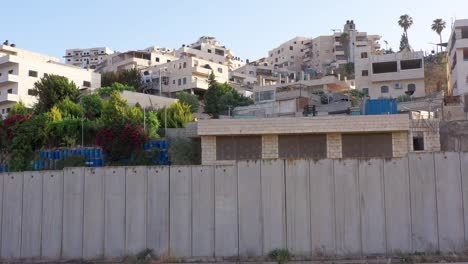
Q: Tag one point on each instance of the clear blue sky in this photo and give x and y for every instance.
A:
(248, 27)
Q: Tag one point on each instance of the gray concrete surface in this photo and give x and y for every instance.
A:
(32, 210)
(114, 195)
(72, 236)
(135, 209)
(94, 213)
(52, 208)
(11, 215)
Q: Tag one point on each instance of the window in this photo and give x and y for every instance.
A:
(209, 51)
(276, 59)
(157, 59)
(173, 81)
(238, 148)
(418, 141)
(3, 111)
(365, 73)
(10, 91)
(302, 146)
(365, 91)
(10, 72)
(168, 60)
(411, 64)
(185, 65)
(384, 89)
(33, 73)
(69, 54)
(465, 54)
(32, 92)
(411, 87)
(363, 55)
(184, 81)
(8, 110)
(86, 84)
(292, 57)
(384, 67)
(290, 47)
(179, 82)
(220, 70)
(367, 145)
(68, 60)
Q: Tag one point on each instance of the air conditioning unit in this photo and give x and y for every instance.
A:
(398, 86)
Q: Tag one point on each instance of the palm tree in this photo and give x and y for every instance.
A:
(438, 25)
(405, 22)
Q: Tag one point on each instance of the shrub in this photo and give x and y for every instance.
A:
(189, 99)
(280, 255)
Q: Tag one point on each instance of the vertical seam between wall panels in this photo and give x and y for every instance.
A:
(462, 196)
(42, 213)
(285, 207)
(214, 210)
(1, 224)
(21, 215)
(103, 191)
(262, 242)
(146, 169)
(382, 169)
(436, 201)
(125, 211)
(63, 215)
(359, 205)
(238, 213)
(83, 210)
(334, 205)
(410, 201)
(309, 182)
(169, 253)
(191, 210)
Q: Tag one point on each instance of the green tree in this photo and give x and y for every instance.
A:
(152, 124)
(189, 99)
(405, 22)
(404, 42)
(344, 40)
(131, 77)
(19, 109)
(106, 91)
(69, 109)
(114, 110)
(92, 105)
(438, 25)
(221, 97)
(51, 89)
(177, 114)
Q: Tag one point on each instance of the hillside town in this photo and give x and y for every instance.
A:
(333, 96)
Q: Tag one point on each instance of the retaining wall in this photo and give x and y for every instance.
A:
(418, 203)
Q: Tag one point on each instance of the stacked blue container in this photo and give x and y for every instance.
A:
(93, 156)
(163, 146)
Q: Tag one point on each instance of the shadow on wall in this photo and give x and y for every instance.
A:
(454, 136)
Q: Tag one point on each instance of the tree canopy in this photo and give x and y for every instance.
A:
(188, 99)
(131, 77)
(52, 89)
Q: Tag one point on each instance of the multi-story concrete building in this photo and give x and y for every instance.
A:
(289, 55)
(136, 59)
(185, 74)
(87, 58)
(389, 75)
(208, 48)
(260, 73)
(20, 69)
(457, 59)
(325, 53)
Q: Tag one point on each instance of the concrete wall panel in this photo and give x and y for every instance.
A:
(273, 205)
(464, 173)
(157, 235)
(322, 207)
(226, 228)
(72, 238)
(250, 211)
(203, 211)
(135, 209)
(423, 202)
(52, 206)
(298, 207)
(94, 213)
(11, 215)
(32, 213)
(348, 228)
(449, 202)
(114, 195)
(180, 244)
(371, 187)
(397, 205)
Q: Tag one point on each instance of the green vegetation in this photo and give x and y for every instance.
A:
(280, 255)
(177, 115)
(185, 151)
(189, 99)
(52, 89)
(130, 77)
(221, 97)
(107, 90)
(405, 22)
(438, 25)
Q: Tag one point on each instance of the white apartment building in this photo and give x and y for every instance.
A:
(87, 58)
(260, 73)
(185, 74)
(389, 75)
(136, 59)
(457, 59)
(208, 48)
(20, 69)
(325, 53)
(289, 55)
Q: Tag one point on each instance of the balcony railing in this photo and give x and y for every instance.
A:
(9, 98)
(8, 79)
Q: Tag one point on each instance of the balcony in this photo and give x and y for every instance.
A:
(8, 60)
(9, 98)
(339, 52)
(361, 43)
(398, 76)
(197, 70)
(8, 79)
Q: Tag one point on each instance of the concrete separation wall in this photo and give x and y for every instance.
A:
(347, 207)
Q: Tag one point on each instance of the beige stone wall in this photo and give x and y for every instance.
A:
(429, 128)
(208, 148)
(270, 147)
(301, 125)
(334, 146)
(400, 144)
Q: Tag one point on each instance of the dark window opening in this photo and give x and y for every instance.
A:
(411, 87)
(86, 84)
(238, 147)
(465, 54)
(365, 91)
(32, 92)
(157, 59)
(367, 145)
(302, 146)
(209, 51)
(464, 31)
(10, 91)
(384, 67)
(33, 73)
(418, 143)
(290, 47)
(365, 73)
(384, 89)
(411, 64)
(363, 55)
(219, 52)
